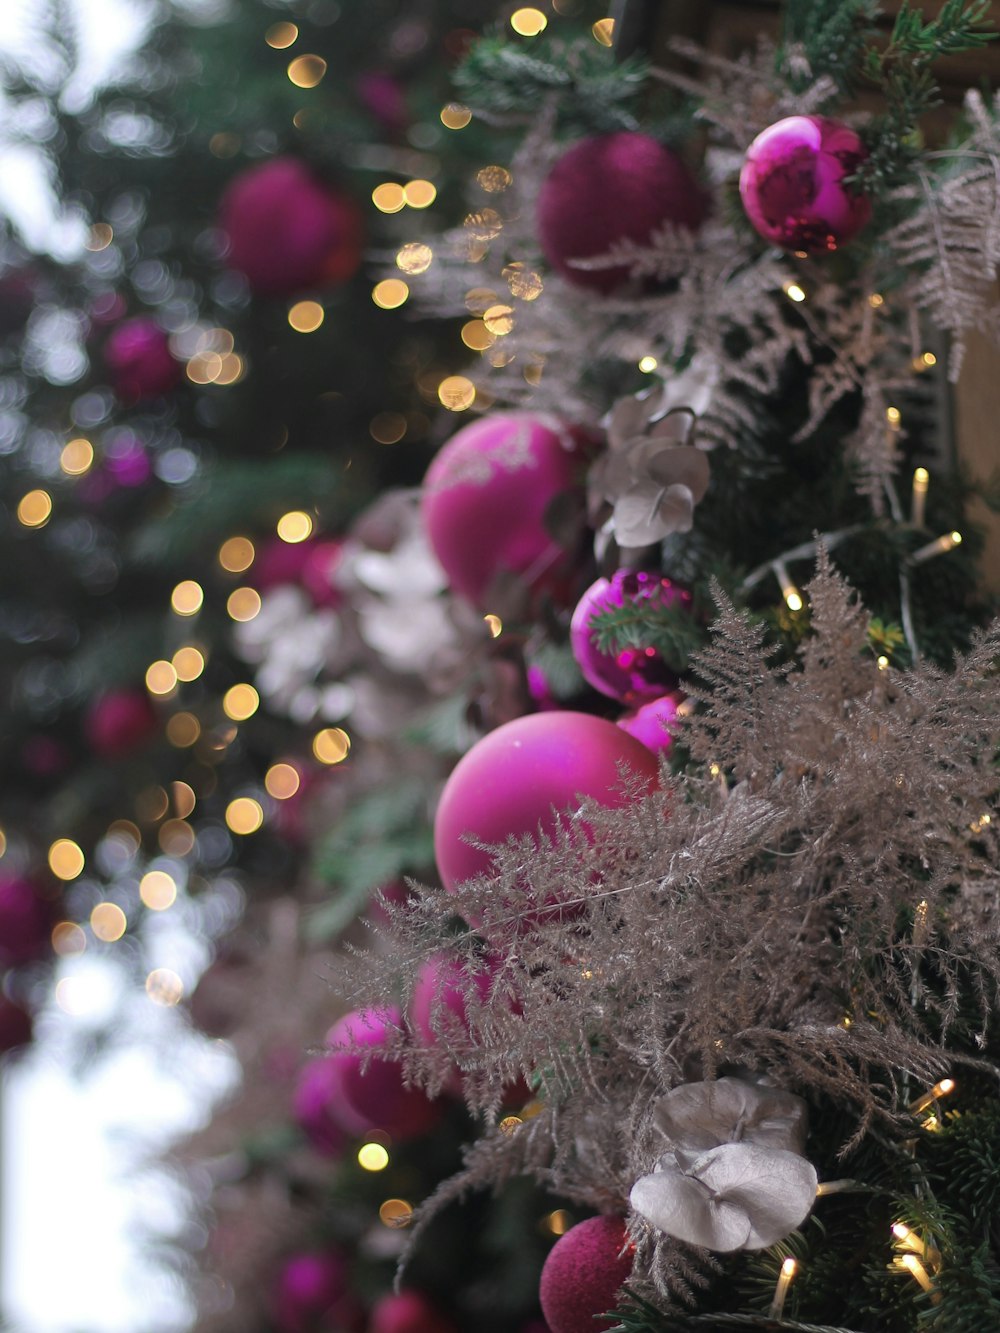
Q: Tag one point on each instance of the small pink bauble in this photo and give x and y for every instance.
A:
(139, 361)
(15, 1025)
(632, 675)
(314, 1102)
(583, 1273)
(614, 187)
(650, 723)
(118, 723)
(792, 184)
(25, 922)
(408, 1311)
(377, 1096)
(485, 498)
(311, 1290)
(288, 230)
(310, 565)
(525, 775)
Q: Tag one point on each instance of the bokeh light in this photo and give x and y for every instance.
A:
(282, 781)
(307, 71)
(161, 678)
(295, 526)
(35, 509)
(244, 815)
(77, 457)
(390, 293)
(243, 604)
(66, 860)
(165, 987)
(108, 922)
(158, 890)
(240, 702)
(332, 745)
(187, 598)
(306, 316)
(236, 554)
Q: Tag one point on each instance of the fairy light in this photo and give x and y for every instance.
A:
(243, 604)
(794, 292)
(332, 745)
(414, 257)
(510, 1124)
(493, 179)
(68, 940)
(108, 922)
(187, 598)
(158, 890)
(928, 1099)
(882, 662)
(240, 702)
(373, 1157)
(280, 36)
(294, 527)
(921, 480)
(77, 457)
(164, 986)
(494, 624)
(791, 594)
(419, 193)
(918, 1272)
(390, 293)
(940, 546)
(981, 823)
(395, 1213)
(876, 300)
(788, 1270)
(35, 509)
(557, 1223)
(389, 197)
(183, 729)
(457, 393)
(477, 336)
(282, 781)
(244, 815)
(528, 22)
(100, 237)
(161, 678)
(455, 116)
(307, 71)
(236, 554)
(188, 662)
(648, 364)
(66, 860)
(603, 31)
(306, 316)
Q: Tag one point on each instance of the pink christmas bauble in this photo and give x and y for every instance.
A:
(310, 564)
(650, 722)
(376, 1096)
(485, 498)
(314, 1104)
(615, 187)
(583, 1273)
(792, 184)
(25, 922)
(288, 230)
(632, 675)
(118, 723)
(139, 361)
(408, 1311)
(313, 1291)
(439, 1000)
(524, 776)
(15, 1025)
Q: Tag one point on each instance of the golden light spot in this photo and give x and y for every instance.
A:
(389, 197)
(77, 457)
(295, 526)
(793, 600)
(493, 179)
(3, 843)
(243, 604)
(161, 677)
(100, 237)
(176, 837)
(183, 729)
(68, 939)
(108, 922)
(499, 356)
(420, 193)
(648, 364)
(415, 257)
(499, 319)
(164, 987)
(240, 702)
(231, 370)
(390, 293)
(882, 662)
(127, 832)
(281, 35)
(875, 300)
(456, 393)
(476, 335)
(528, 22)
(373, 1157)
(557, 1223)
(224, 145)
(35, 509)
(158, 890)
(396, 1213)
(187, 598)
(479, 299)
(455, 116)
(387, 427)
(307, 71)
(485, 224)
(306, 316)
(152, 804)
(282, 781)
(188, 662)
(236, 554)
(793, 291)
(494, 624)
(244, 815)
(184, 799)
(332, 745)
(66, 860)
(893, 416)
(523, 282)
(510, 1124)
(956, 538)
(604, 31)
(929, 359)
(204, 368)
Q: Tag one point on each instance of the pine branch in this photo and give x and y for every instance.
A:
(833, 37)
(641, 1317)
(668, 629)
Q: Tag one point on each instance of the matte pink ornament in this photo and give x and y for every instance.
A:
(614, 187)
(632, 675)
(15, 1025)
(439, 992)
(376, 1097)
(315, 1101)
(408, 1311)
(792, 184)
(485, 498)
(650, 723)
(139, 361)
(313, 1292)
(524, 776)
(583, 1273)
(25, 922)
(310, 564)
(120, 722)
(288, 230)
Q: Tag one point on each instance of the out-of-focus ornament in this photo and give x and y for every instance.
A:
(139, 360)
(792, 184)
(25, 921)
(438, 1008)
(583, 1273)
(15, 1025)
(313, 1291)
(612, 188)
(408, 1311)
(633, 675)
(384, 99)
(316, 1096)
(486, 497)
(312, 565)
(288, 230)
(376, 1094)
(650, 723)
(119, 722)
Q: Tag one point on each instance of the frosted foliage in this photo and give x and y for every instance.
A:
(797, 905)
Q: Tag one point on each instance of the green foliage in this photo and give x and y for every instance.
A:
(834, 35)
(671, 630)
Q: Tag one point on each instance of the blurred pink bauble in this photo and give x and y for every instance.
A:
(313, 1292)
(25, 922)
(408, 1311)
(649, 723)
(611, 188)
(485, 499)
(438, 1002)
(376, 1096)
(15, 1025)
(383, 98)
(288, 230)
(137, 356)
(526, 774)
(792, 184)
(310, 565)
(317, 1094)
(119, 722)
(632, 675)
(583, 1273)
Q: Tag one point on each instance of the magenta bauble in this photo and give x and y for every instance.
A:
(120, 722)
(792, 184)
(437, 1009)
(525, 775)
(287, 230)
(310, 565)
(615, 187)
(376, 1096)
(650, 723)
(313, 1292)
(315, 1101)
(485, 499)
(583, 1273)
(138, 358)
(15, 1025)
(25, 922)
(633, 675)
(408, 1311)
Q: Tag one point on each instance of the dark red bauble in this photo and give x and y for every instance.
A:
(408, 1311)
(139, 361)
(15, 1025)
(25, 922)
(120, 722)
(375, 1097)
(288, 230)
(583, 1273)
(615, 187)
(792, 184)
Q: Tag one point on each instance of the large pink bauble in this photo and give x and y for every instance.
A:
(119, 722)
(525, 775)
(408, 1311)
(139, 361)
(287, 230)
(377, 1097)
(25, 922)
(583, 1273)
(312, 1292)
(649, 723)
(615, 187)
(485, 498)
(792, 184)
(632, 675)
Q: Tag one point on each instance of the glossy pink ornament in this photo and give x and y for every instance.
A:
(408, 1311)
(138, 358)
(792, 184)
(485, 498)
(288, 230)
(119, 722)
(313, 1292)
(25, 922)
(15, 1025)
(525, 775)
(614, 187)
(650, 722)
(583, 1274)
(376, 1097)
(632, 675)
